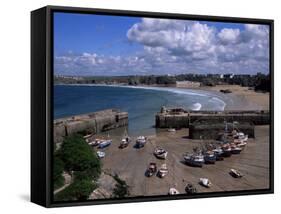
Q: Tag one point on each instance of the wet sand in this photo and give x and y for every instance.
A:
(131, 163)
(242, 97)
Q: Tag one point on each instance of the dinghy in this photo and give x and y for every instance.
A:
(205, 182)
(173, 191)
(163, 171)
(160, 153)
(235, 173)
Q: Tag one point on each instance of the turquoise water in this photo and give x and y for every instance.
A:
(141, 103)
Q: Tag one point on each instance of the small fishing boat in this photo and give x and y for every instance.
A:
(240, 136)
(100, 154)
(218, 153)
(104, 144)
(124, 143)
(151, 170)
(173, 191)
(160, 153)
(190, 189)
(210, 157)
(171, 130)
(235, 149)
(126, 140)
(241, 144)
(141, 141)
(205, 182)
(235, 173)
(226, 150)
(194, 160)
(163, 171)
(95, 142)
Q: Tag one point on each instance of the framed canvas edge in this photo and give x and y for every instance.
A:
(49, 101)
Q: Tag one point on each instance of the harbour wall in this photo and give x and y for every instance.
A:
(180, 118)
(90, 123)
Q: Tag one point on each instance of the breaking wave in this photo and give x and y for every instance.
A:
(196, 107)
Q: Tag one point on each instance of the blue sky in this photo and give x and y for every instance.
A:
(86, 44)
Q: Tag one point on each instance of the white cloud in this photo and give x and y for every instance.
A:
(177, 46)
(227, 36)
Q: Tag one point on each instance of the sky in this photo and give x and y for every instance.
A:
(102, 45)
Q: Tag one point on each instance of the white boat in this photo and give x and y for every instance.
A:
(141, 141)
(160, 153)
(173, 191)
(235, 173)
(241, 144)
(163, 171)
(95, 142)
(240, 136)
(101, 154)
(171, 130)
(205, 182)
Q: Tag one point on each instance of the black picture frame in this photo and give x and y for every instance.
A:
(42, 103)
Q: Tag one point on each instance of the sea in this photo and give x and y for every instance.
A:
(141, 103)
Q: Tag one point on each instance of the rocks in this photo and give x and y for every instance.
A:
(106, 184)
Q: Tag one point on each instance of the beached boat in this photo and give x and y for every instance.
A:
(173, 191)
(100, 154)
(160, 153)
(218, 153)
(235, 149)
(95, 142)
(163, 171)
(226, 150)
(126, 140)
(104, 143)
(210, 157)
(242, 145)
(194, 159)
(141, 141)
(190, 189)
(205, 182)
(235, 173)
(240, 135)
(151, 170)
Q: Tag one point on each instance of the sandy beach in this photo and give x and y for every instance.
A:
(245, 98)
(130, 164)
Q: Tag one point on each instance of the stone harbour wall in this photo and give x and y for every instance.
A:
(95, 122)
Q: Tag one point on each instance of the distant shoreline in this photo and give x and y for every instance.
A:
(241, 97)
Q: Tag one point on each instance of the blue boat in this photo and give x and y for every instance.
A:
(210, 157)
(104, 144)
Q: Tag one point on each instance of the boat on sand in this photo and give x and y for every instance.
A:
(190, 189)
(163, 171)
(205, 182)
(173, 191)
(141, 141)
(235, 173)
(194, 159)
(160, 153)
(151, 170)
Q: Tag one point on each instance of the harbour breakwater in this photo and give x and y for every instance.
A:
(210, 121)
(90, 123)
